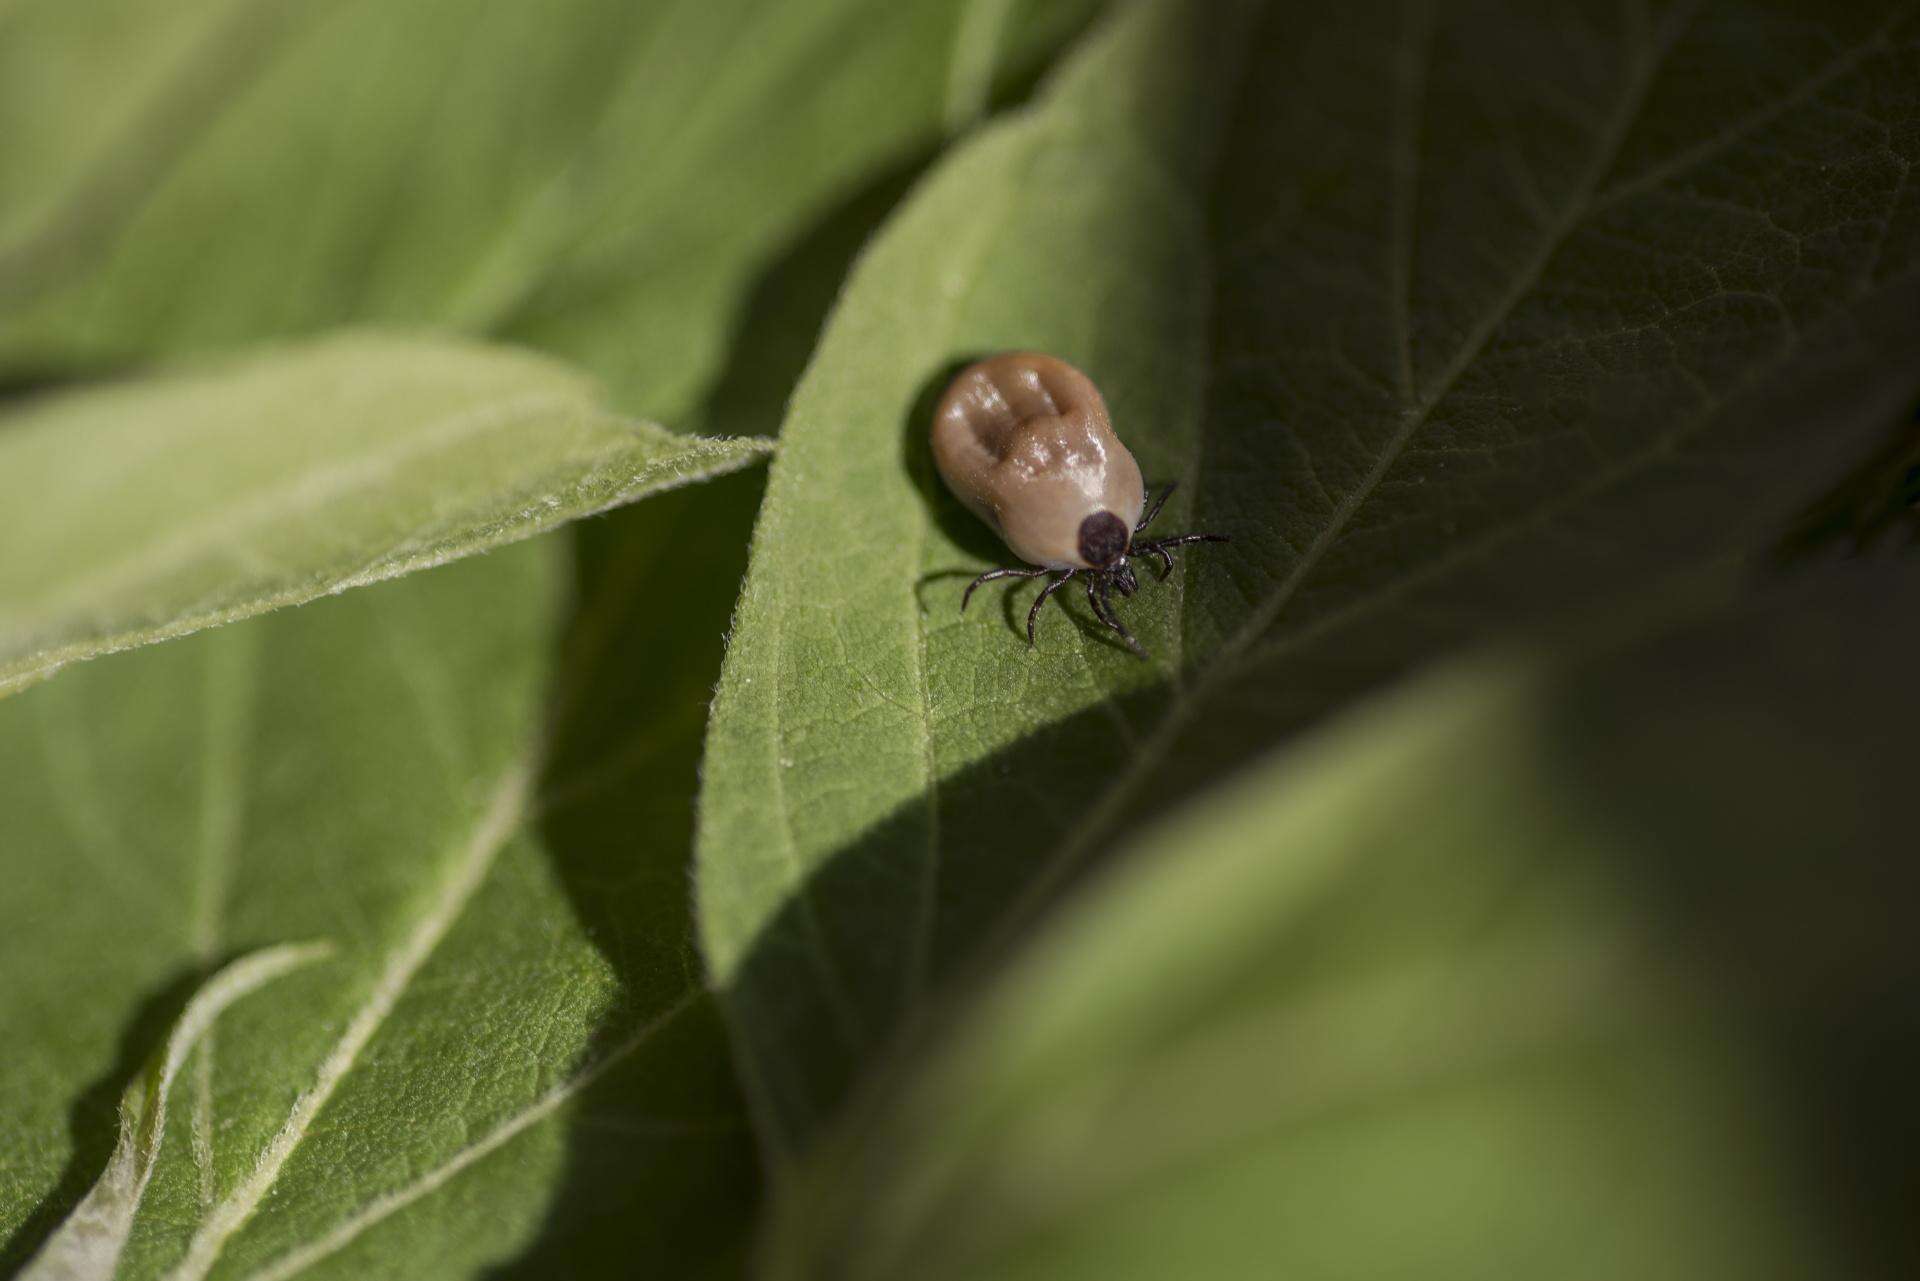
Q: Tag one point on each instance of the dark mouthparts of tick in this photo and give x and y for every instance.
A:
(1107, 545)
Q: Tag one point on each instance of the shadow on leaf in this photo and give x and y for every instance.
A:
(660, 1160)
(93, 1122)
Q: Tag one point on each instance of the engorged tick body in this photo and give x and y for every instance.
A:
(1024, 440)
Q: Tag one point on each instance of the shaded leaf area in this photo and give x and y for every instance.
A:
(510, 1062)
(656, 583)
(1557, 969)
(90, 1240)
(605, 179)
(1874, 510)
(1483, 314)
(157, 507)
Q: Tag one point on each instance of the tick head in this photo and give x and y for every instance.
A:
(1123, 578)
(1103, 540)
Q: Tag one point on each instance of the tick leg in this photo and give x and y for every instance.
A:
(1033, 614)
(992, 574)
(1113, 620)
(1158, 503)
(1180, 540)
(1154, 549)
(1094, 603)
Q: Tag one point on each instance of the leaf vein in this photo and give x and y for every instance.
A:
(474, 860)
(1410, 103)
(1228, 662)
(302, 496)
(1690, 157)
(382, 1207)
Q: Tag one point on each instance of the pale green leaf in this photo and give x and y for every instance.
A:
(1481, 313)
(510, 1060)
(623, 184)
(153, 508)
(1530, 970)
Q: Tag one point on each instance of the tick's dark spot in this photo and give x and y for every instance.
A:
(1106, 544)
(1103, 538)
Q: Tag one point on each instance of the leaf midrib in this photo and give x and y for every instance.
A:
(703, 459)
(382, 1207)
(498, 824)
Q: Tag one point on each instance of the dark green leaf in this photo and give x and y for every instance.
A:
(1875, 507)
(1530, 970)
(1485, 311)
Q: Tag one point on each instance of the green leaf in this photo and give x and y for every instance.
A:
(90, 1240)
(1481, 314)
(511, 1058)
(154, 508)
(133, 66)
(615, 182)
(1600, 970)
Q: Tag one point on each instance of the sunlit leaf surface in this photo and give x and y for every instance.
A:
(158, 507)
(481, 798)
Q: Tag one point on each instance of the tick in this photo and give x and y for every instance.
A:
(1024, 440)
